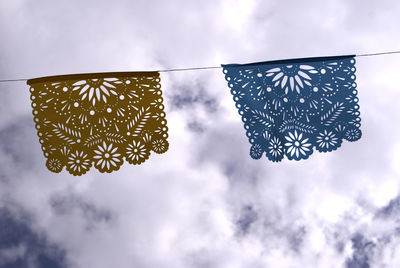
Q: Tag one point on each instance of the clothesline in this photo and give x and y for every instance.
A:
(214, 67)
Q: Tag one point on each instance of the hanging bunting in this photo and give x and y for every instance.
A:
(98, 119)
(290, 107)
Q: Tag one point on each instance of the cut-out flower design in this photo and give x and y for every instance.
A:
(107, 158)
(313, 103)
(256, 151)
(352, 134)
(160, 146)
(275, 150)
(96, 89)
(78, 163)
(291, 77)
(297, 146)
(91, 120)
(136, 153)
(54, 165)
(327, 141)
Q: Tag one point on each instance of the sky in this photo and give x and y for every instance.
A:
(204, 203)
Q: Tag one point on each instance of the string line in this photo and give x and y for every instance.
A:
(214, 67)
(378, 54)
(188, 69)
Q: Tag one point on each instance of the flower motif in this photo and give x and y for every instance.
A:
(136, 153)
(64, 151)
(160, 146)
(256, 151)
(297, 147)
(275, 150)
(327, 141)
(157, 102)
(96, 89)
(352, 134)
(107, 158)
(291, 76)
(78, 163)
(340, 128)
(54, 165)
(147, 136)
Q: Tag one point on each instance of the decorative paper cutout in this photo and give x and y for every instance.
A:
(99, 119)
(290, 107)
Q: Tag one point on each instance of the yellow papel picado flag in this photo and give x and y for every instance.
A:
(98, 119)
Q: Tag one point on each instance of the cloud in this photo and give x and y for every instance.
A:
(20, 246)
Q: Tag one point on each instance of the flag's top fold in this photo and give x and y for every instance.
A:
(66, 77)
(291, 106)
(98, 119)
(289, 61)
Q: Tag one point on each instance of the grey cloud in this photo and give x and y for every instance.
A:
(247, 218)
(363, 251)
(391, 210)
(296, 239)
(20, 246)
(187, 96)
(196, 126)
(12, 254)
(64, 204)
(195, 102)
(15, 155)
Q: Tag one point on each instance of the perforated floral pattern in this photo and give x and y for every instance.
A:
(98, 119)
(290, 107)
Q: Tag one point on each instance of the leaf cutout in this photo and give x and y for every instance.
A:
(67, 134)
(332, 114)
(292, 124)
(139, 121)
(115, 138)
(263, 118)
(92, 140)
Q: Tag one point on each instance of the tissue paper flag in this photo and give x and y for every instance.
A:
(291, 107)
(99, 119)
